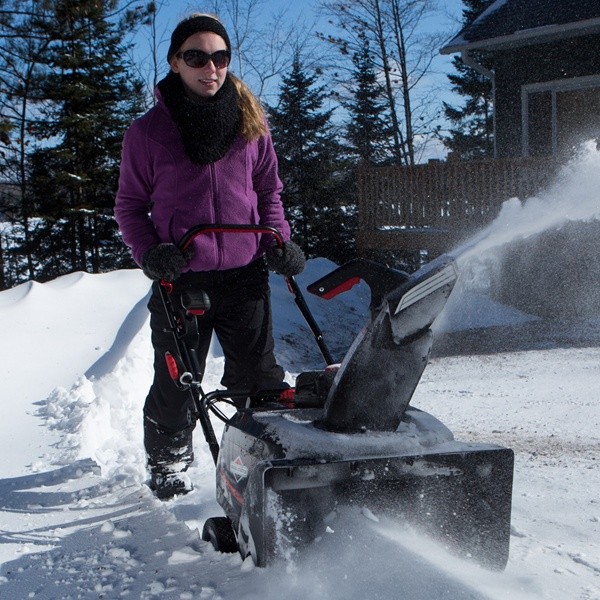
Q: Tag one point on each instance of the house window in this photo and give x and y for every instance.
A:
(577, 117)
(558, 115)
(539, 124)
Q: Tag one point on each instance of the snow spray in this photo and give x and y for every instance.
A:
(574, 195)
(568, 208)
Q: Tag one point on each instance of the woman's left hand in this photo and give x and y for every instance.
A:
(287, 261)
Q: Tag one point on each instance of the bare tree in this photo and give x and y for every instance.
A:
(263, 47)
(148, 58)
(151, 20)
(404, 52)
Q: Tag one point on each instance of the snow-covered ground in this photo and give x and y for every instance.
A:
(77, 521)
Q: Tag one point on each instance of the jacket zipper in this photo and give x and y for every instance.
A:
(216, 212)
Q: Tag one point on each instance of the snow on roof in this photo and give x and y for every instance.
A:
(518, 22)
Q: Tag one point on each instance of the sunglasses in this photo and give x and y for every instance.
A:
(198, 59)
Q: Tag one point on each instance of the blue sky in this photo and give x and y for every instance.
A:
(448, 20)
(303, 13)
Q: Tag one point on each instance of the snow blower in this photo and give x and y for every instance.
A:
(346, 435)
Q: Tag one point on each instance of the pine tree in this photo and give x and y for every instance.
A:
(472, 134)
(403, 48)
(89, 100)
(367, 132)
(22, 44)
(317, 197)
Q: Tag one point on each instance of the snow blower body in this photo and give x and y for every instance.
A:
(347, 436)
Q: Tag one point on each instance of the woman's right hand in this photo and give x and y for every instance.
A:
(165, 261)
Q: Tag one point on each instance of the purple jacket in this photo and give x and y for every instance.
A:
(162, 193)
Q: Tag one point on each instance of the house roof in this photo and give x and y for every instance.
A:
(510, 23)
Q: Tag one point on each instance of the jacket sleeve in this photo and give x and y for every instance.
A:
(268, 187)
(133, 201)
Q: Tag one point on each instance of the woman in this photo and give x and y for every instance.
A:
(203, 155)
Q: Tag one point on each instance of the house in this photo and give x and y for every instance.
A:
(543, 57)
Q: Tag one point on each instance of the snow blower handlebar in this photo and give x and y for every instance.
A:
(184, 368)
(194, 232)
(197, 230)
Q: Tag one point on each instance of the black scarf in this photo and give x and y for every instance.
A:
(208, 126)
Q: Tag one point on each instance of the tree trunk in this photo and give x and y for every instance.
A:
(389, 89)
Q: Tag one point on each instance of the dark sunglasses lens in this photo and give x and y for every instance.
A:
(220, 59)
(198, 59)
(195, 58)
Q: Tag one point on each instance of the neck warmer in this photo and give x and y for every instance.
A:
(208, 126)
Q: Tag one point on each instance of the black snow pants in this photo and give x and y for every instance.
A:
(240, 316)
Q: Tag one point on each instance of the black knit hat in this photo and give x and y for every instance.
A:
(193, 25)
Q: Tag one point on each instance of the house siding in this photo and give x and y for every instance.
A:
(569, 59)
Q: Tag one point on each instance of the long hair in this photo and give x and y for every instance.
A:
(253, 115)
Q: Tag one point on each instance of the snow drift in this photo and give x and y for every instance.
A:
(77, 520)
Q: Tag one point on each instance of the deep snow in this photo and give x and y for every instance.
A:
(77, 521)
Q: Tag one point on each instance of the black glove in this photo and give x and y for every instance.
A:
(287, 261)
(165, 261)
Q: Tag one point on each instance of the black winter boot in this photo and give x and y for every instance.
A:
(169, 456)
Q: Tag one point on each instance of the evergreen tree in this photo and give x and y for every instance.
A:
(89, 100)
(403, 48)
(471, 136)
(317, 197)
(367, 132)
(21, 46)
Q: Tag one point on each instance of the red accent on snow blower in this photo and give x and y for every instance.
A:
(167, 285)
(232, 489)
(340, 289)
(287, 398)
(172, 366)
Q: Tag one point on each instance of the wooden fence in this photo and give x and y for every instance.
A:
(436, 205)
